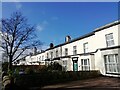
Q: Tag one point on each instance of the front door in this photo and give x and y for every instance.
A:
(75, 65)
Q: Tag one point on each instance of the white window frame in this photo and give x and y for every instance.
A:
(85, 67)
(85, 47)
(74, 50)
(60, 51)
(43, 58)
(56, 53)
(51, 55)
(109, 39)
(39, 58)
(66, 51)
(112, 64)
(47, 55)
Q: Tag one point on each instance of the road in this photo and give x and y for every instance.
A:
(101, 83)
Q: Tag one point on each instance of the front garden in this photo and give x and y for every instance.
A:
(39, 76)
(49, 77)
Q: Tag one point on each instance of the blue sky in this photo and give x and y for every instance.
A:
(55, 20)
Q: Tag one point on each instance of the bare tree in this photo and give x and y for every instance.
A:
(17, 36)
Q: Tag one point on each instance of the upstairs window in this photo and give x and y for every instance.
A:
(47, 55)
(60, 51)
(85, 47)
(66, 51)
(109, 39)
(74, 50)
(51, 55)
(42, 57)
(56, 53)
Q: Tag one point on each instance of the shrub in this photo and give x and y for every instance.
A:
(29, 71)
(16, 71)
(54, 67)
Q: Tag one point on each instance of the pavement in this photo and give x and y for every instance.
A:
(100, 83)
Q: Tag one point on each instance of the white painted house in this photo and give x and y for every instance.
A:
(97, 50)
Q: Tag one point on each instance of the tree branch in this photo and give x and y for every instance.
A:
(17, 34)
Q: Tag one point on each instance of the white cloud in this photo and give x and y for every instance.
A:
(42, 26)
(39, 27)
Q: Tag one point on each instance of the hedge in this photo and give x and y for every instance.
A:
(47, 78)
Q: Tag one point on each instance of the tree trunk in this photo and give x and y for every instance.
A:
(10, 65)
(10, 69)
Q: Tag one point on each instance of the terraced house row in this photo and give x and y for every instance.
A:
(97, 50)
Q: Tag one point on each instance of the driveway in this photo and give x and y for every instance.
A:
(100, 83)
